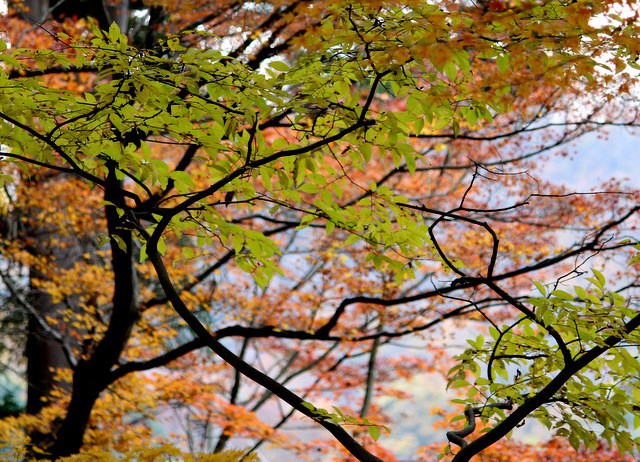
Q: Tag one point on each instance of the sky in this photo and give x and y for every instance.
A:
(598, 159)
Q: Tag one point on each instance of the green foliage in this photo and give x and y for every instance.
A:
(202, 98)
(598, 397)
(340, 418)
(635, 259)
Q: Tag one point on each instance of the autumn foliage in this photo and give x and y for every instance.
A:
(220, 222)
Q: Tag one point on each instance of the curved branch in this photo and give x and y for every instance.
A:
(543, 396)
(28, 73)
(457, 436)
(566, 355)
(75, 169)
(210, 270)
(249, 371)
(162, 360)
(153, 241)
(509, 134)
(468, 282)
(38, 163)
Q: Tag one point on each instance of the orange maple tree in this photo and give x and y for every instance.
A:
(294, 186)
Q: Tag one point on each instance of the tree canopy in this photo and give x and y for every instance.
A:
(235, 211)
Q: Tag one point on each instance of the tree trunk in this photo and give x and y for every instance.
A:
(44, 350)
(37, 11)
(90, 376)
(44, 353)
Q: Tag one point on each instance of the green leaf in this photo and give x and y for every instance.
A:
(503, 62)
(162, 246)
(456, 128)
(143, 253)
(309, 188)
(599, 277)
(330, 226)
(102, 240)
(561, 294)
(306, 220)
(121, 244)
(634, 260)
(451, 71)
(352, 239)
(374, 432)
(114, 32)
(279, 66)
(182, 177)
(541, 288)
(574, 441)
(237, 241)
(308, 405)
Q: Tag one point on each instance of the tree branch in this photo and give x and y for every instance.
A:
(249, 371)
(457, 436)
(543, 396)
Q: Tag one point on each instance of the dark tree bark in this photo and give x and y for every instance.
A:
(44, 352)
(92, 375)
(38, 11)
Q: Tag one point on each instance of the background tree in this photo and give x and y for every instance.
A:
(374, 181)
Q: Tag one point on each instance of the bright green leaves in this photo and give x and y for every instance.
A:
(113, 36)
(520, 360)
(254, 253)
(340, 418)
(286, 137)
(221, 109)
(279, 66)
(182, 180)
(636, 258)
